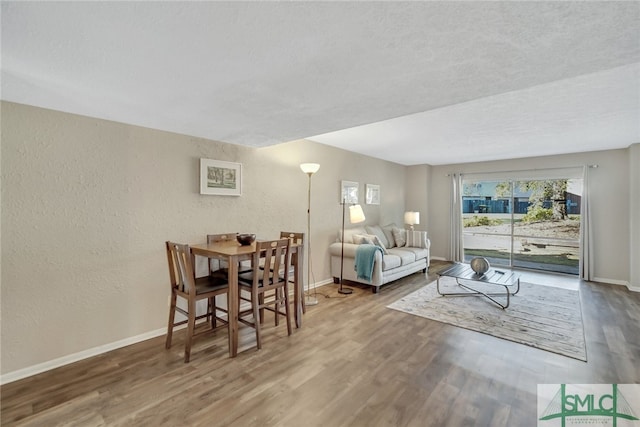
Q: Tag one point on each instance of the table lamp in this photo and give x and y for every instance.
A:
(411, 218)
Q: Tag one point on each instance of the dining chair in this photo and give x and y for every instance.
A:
(268, 289)
(296, 238)
(184, 284)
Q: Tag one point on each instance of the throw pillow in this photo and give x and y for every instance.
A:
(400, 236)
(369, 239)
(417, 239)
(362, 239)
(377, 242)
(388, 232)
(349, 233)
(377, 230)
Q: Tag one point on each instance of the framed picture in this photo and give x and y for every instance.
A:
(373, 194)
(349, 192)
(220, 178)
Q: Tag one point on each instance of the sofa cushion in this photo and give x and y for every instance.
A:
(417, 239)
(390, 261)
(400, 236)
(377, 230)
(418, 252)
(406, 257)
(388, 232)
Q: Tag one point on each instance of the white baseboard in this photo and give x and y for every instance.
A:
(71, 358)
(323, 283)
(95, 351)
(617, 282)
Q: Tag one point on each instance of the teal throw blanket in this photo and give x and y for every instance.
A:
(365, 258)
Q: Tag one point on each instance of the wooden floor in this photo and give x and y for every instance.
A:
(354, 363)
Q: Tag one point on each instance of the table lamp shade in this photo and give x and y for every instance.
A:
(412, 218)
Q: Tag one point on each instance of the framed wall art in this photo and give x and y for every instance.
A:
(349, 192)
(372, 194)
(220, 178)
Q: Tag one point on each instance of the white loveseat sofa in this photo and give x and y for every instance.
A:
(400, 259)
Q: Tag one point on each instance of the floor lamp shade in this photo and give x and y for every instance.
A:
(310, 168)
(356, 215)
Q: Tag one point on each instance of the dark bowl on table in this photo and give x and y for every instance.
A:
(246, 239)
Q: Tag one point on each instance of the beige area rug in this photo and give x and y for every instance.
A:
(545, 317)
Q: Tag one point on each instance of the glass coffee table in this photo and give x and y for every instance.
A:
(463, 272)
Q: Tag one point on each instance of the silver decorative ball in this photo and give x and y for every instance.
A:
(480, 265)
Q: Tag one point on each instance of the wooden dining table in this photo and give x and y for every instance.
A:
(233, 253)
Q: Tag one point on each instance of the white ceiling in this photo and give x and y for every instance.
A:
(410, 82)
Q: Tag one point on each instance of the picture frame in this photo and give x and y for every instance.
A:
(372, 194)
(348, 192)
(220, 178)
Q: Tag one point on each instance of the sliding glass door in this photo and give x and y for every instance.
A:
(532, 223)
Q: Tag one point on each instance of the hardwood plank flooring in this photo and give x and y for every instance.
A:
(354, 363)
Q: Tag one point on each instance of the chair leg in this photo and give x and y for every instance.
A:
(303, 295)
(287, 308)
(261, 303)
(190, 330)
(257, 317)
(276, 305)
(172, 316)
(214, 312)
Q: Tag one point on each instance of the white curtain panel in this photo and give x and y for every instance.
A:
(456, 246)
(586, 251)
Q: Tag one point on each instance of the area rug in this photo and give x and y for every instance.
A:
(545, 317)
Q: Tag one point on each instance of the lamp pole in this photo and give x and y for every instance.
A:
(310, 300)
(309, 169)
(343, 290)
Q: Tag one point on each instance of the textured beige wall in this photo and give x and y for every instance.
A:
(87, 205)
(417, 190)
(609, 191)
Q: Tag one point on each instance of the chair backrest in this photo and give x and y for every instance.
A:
(275, 253)
(296, 238)
(181, 270)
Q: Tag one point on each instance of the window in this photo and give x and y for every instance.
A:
(531, 223)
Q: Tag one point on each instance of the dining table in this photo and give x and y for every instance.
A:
(233, 253)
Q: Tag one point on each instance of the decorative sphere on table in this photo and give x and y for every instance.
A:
(480, 265)
(246, 239)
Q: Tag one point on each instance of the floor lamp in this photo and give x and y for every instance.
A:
(309, 169)
(355, 216)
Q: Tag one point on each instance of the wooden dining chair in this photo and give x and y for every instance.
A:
(268, 289)
(184, 284)
(296, 238)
